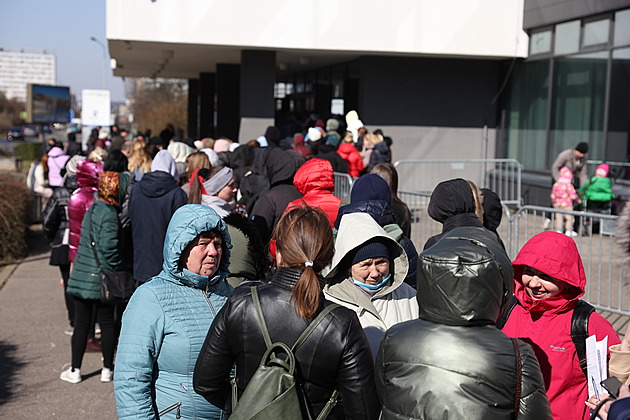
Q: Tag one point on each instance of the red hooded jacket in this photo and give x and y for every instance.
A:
(546, 323)
(351, 155)
(315, 181)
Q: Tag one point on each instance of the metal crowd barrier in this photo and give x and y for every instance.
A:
(502, 176)
(618, 170)
(343, 184)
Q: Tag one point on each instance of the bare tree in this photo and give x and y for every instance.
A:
(156, 102)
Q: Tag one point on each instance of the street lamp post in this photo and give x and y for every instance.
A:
(104, 59)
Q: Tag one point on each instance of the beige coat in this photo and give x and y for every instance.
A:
(395, 302)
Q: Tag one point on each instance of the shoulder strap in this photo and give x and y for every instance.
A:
(519, 376)
(92, 243)
(503, 320)
(579, 330)
(261, 318)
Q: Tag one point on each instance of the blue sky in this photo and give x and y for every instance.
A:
(64, 28)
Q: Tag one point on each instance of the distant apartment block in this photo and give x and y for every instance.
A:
(19, 68)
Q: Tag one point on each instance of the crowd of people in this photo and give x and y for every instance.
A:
(219, 235)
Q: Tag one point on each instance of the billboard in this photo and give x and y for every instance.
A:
(95, 107)
(48, 104)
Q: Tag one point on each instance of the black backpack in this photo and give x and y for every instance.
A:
(579, 327)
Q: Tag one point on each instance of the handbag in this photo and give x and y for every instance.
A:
(116, 286)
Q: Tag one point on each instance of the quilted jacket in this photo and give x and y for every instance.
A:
(165, 324)
(81, 199)
(315, 181)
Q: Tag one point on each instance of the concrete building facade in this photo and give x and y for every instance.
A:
(18, 68)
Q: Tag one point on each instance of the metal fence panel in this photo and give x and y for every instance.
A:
(343, 184)
(502, 176)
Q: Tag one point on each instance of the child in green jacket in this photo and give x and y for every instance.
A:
(597, 192)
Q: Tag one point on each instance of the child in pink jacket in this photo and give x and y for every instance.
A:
(563, 196)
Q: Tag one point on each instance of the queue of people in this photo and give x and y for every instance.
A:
(457, 331)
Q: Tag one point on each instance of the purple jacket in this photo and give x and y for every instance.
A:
(81, 200)
(56, 162)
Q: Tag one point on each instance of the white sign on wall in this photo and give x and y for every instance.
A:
(96, 107)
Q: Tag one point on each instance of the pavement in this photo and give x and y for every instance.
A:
(34, 348)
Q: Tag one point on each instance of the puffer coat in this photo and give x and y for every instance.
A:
(55, 222)
(453, 362)
(336, 354)
(546, 323)
(394, 303)
(316, 182)
(106, 232)
(81, 199)
(351, 155)
(165, 324)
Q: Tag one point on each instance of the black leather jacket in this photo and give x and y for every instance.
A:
(336, 354)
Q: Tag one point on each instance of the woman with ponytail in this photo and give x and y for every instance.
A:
(335, 356)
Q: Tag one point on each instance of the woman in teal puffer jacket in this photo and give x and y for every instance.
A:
(167, 319)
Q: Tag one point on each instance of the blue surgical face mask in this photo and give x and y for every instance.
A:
(372, 287)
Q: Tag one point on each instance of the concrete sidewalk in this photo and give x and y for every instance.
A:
(34, 348)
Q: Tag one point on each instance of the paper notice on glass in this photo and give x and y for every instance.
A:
(596, 360)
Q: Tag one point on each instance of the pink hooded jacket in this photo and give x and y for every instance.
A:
(546, 323)
(81, 199)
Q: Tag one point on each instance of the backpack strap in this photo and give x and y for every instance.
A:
(519, 377)
(579, 330)
(503, 320)
(319, 318)
(261, 318)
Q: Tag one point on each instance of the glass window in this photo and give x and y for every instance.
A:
(622, 28)
(596, 32)
(540, 43)
(617, 147)
(527, 114)
(577, 108)
(567, 38)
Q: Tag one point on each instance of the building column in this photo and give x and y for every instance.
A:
(206, 104)
(258, 75)
(193, 108)
(228, 100)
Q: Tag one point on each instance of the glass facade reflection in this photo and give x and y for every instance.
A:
(578, 91)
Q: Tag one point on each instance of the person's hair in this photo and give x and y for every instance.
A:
(253, 144)
(116, 162)
(44, 162)
(139, 158)
(478, 200)
(388, 172)
(109, 187)
(304, 235)
(194, 196)
(196, 160)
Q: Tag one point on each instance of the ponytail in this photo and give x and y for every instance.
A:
(306, 293)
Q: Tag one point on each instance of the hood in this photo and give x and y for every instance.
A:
(345, 149)
(55, 152)
(465, 279)
(492, 209)
(602, 170)
(281, 165)
(156, 184)
(370, 187)
(379, 210)
(273, 135)
(565, 174)
(554, 254)
(187, 222)
(88, 172)
(355, 230)
(164, 162)
(315, 174)
(179, 151)
(450, 198)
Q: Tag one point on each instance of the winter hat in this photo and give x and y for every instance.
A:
(262, 140)
(221, 145)
(332, 125)
(320, 123)
(371, 249)
(566, 174)
(370, 187)
(103, 135)
(198, 144)
(314, 134)
(333, 140)
(212, 156)
(582, 147)
(602, 170)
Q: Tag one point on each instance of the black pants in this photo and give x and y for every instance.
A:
(83, 309)
(65, 275)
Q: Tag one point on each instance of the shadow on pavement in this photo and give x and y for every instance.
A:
(9, 367)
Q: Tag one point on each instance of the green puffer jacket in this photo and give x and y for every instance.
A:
(453, 362)
(107, 233)
(597, 189)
